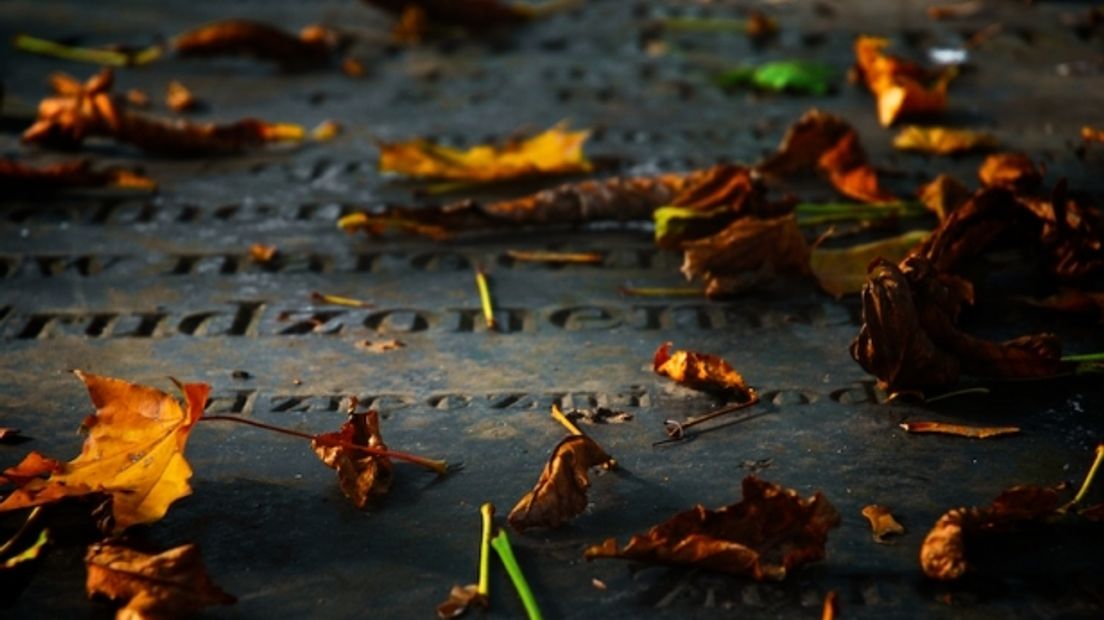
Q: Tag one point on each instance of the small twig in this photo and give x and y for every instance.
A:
(1084, 490)
(485, 297)
(501, 544)
(559, 416)
(540, 256)
(32, 520)
(441, 467)
(677, 430)
(338, 300)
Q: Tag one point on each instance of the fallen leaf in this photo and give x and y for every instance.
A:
(8, 434)
(380, 346)
(29, 554)
(747, 252)
(796, 76)
(765, 536)
(18, 176)
(902, 88)
(1010, 170)
(262, 253)
(362, 476)
(376, 226)
(961, 430)
(461, 598)
(134, 452)
(1091, 134)
(699, 371)
(66, 121)
(179, 97)
(943, 552)
(137, 99)
(326, 130)
(555, 151)
(943, 195)
(843, 271)
(882, 523)
(311, 48)
(561, 491)
(166, 585)
(942, 140)
(34, 465)
(599, 415)
(471, 14)
(830, 609)
(909, 340)
(827, 143)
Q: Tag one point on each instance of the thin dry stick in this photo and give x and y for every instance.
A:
(559, 416)
(677, 430)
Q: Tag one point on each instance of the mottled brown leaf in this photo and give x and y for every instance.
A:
(561, 492)
(903, 89)
(167, 585)
(362, 476)
(745, 253)
(765, 536)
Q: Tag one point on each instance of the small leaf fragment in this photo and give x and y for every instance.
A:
(8, 434)
(362, 476)
(699, 371)
(460, 599)
(561, 492)
(797, 76)
(882, 523)
(262, 253)
(165, 585)
(961, 430)
(179, 97)
(765, 536)
(942, 140)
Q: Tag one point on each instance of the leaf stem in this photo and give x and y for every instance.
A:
(660, 291)
(485, 297)
(32, 519)
(501, 544)
(441, 467)
(45, 47)
(809, 214)
(486, 511)
(1084, 490)
(559, 416)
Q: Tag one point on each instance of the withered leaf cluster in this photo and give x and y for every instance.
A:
(561, 492)
(81, 111)
(770, 532)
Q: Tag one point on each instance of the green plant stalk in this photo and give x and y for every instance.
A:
(486, 511)
(112, 58)
(29, 553)
(1084, 357)
(501, 544)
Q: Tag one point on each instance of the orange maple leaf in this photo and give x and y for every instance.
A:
(134, 452)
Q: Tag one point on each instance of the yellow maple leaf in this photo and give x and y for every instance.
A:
(134, 452)
(555, 151)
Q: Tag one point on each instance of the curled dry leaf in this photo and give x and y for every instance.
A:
(310, 48)
(33, 466)
(24, 177)
(561, 491)
(362, 476)
(827, 143)
(699, 371)
(460, 599)
(882, 523)
(943, 195)
(747, 252)
(843, 271)
(902, 88)
(1010, 170)
(166, 585)
(66, 121)
(943, 553)
(552, 152)
(765, 536)
(326, 130)
(942, 140)
(976, 432)
(179, 97)
(909, 339)
(134, 452)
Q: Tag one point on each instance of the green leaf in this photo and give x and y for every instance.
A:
(673, 223)
(501, 544)
(795, 76)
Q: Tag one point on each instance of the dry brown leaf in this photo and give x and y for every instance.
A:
(747, 252)
(909, 339)
(765, 536)
(1011, 170)
(8, 434)
(942, 140)
(699, 371)
(882, 523)
(827, 143)
(23, 177)
(843, 271)
(561, 492)
(262, 253)
(902, 88)
(961, 430)
(167, 585)
(943, 195)
(362, 476)
(312, 47)
(1091, 134)
(943, 553)
(326, 130)
(134, 452)
(179, 97)
(552, 152)
(33, 466)
(461, 598)
(958, 10)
